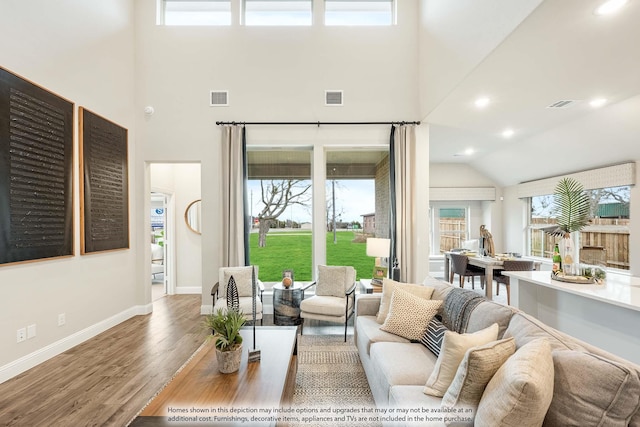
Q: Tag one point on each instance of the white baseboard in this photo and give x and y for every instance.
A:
(27, 362)
(184, 290)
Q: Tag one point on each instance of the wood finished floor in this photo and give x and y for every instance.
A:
(106, 380)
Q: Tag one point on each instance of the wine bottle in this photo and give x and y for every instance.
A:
(557, 260)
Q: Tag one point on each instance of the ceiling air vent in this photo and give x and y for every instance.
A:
(219, 98)
(562, 104)
(333, 98)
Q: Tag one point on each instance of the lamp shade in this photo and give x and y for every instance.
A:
(377, 247)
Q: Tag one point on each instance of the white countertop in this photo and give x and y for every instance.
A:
(617, 289)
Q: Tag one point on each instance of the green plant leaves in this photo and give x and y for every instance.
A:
(226, 326)
(571, 205)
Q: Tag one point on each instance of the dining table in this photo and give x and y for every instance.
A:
(488, 263)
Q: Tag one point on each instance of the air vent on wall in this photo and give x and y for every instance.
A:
(333, 98)
(219, 98)
(566, 103)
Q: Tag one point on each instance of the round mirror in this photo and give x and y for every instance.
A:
(192, 216)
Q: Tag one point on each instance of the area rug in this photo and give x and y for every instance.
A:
(331, 386)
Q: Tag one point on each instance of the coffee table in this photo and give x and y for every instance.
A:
(200, 390)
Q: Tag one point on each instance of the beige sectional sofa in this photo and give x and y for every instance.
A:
(590, 386)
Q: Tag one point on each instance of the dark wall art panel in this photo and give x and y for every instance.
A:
(104, 188)
(36, 172)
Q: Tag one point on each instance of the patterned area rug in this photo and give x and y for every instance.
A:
(331, 383)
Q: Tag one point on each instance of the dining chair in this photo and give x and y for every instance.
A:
(510, 265)
(460, 266)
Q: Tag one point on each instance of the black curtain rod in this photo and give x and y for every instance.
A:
(315, 123)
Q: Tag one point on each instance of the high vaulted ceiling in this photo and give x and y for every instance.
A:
(549, 51)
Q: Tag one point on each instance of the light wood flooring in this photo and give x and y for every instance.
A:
(108, 379)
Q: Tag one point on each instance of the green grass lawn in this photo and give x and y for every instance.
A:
(292, 250)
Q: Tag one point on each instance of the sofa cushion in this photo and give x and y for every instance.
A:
(326, 305)
(334, 281)
(454, 346)
(520, 392)
(487, 313)
(475, 371)
(525, 328)
(242, 277)
(433, 336)
(440, 287)
(409, 315)
(592, 390)
(402, 363)
(388, 286)
(369, 333)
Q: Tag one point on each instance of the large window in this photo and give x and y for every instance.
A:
(278, 12)
(605, 240)
(200, 12)
(279, 192)
(357, 205)
(359, 12)
(449, 227)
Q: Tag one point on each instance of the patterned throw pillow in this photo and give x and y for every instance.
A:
(433, 335)
(475, 371)
(409, 315)
(454, 346)
(388, 286)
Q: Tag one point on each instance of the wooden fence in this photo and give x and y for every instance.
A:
(612, 235)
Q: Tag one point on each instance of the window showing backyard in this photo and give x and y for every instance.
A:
(604, 241)
(449, 228)
(280, 200)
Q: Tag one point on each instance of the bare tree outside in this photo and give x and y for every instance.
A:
(276, 196)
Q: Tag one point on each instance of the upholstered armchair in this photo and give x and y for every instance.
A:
(460, 266)
(243, 283)
(511, 265)
(334, 299)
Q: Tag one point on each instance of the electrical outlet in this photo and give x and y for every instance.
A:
(31, 331)
(62, 319)
(21, 334)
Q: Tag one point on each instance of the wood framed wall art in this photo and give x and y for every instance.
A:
(36, 172)
(104, 187)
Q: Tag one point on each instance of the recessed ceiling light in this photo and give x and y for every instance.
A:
(507, 133)
(469, 151)
(610, 7)
(482, 102)
(598, 102)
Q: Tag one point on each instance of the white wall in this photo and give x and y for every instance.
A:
(182, 181)
(83, 51)
(272, 74)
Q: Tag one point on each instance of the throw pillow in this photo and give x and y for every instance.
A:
(433, 335)
(408, 315)
(590, 389)
(520, 392)
(332, 280)
(242, 276)
(475, 371)
(454, 346)
(388, 286)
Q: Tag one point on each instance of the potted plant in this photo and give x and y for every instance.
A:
(571, 208)
(225, 327)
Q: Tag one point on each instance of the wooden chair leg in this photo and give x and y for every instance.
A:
(461, 281)
(508, 294)
(473, 282)
(497, 288)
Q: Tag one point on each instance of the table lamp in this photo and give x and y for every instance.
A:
(378, 248)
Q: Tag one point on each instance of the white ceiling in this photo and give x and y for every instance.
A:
(561, 50)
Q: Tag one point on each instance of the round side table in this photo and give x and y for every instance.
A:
(286, 305)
